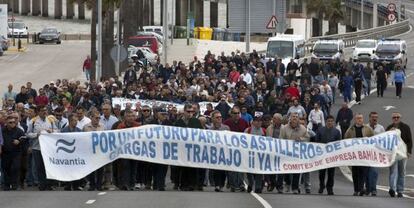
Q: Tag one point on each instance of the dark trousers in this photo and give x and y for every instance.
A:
(144, 173)
(96, 179)
(295, 181)
(359, 177)
(278, 180)
(398, 88)
(128, 173)
(10, 166)
(201, 177)
(256, 180)
(175, 176)
(358, 90)
(381, 88)
(41, 172)
(219, 177)
(330, 182)
(188, 177)
(159, 173)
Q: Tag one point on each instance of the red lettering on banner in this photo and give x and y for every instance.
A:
(341, 157)
(367, 155)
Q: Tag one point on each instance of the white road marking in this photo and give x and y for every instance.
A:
(101, 193)
(91, 201)
(264, 203)
(385, 188)
(410, 175)
(388, 107)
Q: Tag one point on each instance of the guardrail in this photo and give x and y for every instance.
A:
(350, 39)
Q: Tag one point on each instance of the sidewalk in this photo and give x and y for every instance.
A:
(181, 52)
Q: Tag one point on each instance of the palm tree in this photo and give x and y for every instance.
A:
(334, 15)
(316, 8)
(329, 10)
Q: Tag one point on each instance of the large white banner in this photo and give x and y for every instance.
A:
(123, 102)
(72, 156)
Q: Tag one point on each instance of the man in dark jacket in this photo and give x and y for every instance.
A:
(325, 135)
(223, 107)
(12, 153)
(397, 170)
(160, 170)
(187, 177)
(71, 127)
(344, 118)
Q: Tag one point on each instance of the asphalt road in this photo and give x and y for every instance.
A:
(43, 63)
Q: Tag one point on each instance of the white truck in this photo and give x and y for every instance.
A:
(286, 47)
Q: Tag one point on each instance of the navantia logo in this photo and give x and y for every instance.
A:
(65, 146)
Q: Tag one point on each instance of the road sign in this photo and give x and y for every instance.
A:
(391, 17)
(123, 54)
(272, 23)
(391, 7)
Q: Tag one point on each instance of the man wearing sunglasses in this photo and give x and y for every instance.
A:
(185, 177)
(397, 170)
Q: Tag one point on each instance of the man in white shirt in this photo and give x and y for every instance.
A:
(107, 119)
(373, 171)
(83, 120)
(316, 117)
(246, 77)
(296, 108)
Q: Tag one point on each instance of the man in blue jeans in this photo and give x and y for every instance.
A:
(373, 171)
(397, 170)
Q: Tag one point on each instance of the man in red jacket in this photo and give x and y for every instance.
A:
(87, 65)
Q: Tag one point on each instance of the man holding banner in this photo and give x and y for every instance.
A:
(128, 167)
(397, 170)
(325, 135)
(219, 176)
(294, 131)
(187, 177)
(359, 173)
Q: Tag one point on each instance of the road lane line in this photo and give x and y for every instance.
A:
(264, 203)
(410, 175)
(91, 201)
(386, 190)
(409, 11)
(101, 193)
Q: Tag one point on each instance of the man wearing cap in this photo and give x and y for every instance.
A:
(130, 75)
(159, 170)
(255, 179)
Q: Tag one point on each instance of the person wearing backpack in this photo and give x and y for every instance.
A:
(255, 179)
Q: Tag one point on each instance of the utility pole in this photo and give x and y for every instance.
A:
(188, 21)
(165, 28)
(99, 67)
(118, 41)
(247, 38)
(362, 14)
(274, 14)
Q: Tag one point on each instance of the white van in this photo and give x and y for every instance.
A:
(391, 51)
(327, 49)
(286, 47)
(17, 28)
(363, 50)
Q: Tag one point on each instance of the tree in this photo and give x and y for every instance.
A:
(108, 8)
(329, 10)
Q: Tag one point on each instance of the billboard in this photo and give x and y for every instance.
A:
(3, 20)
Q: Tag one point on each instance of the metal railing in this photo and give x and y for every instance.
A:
(350, 39)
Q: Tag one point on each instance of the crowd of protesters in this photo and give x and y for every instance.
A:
(288, 102)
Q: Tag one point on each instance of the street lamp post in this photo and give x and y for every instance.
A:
(247, 26)
(99, 67)
(165, 28)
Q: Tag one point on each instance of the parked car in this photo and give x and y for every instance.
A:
(158, 36)
(149, 55)
(150, 42)
(4, 43)
(17, 28)
(49, 34)
(1, 51)
(363, 50)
